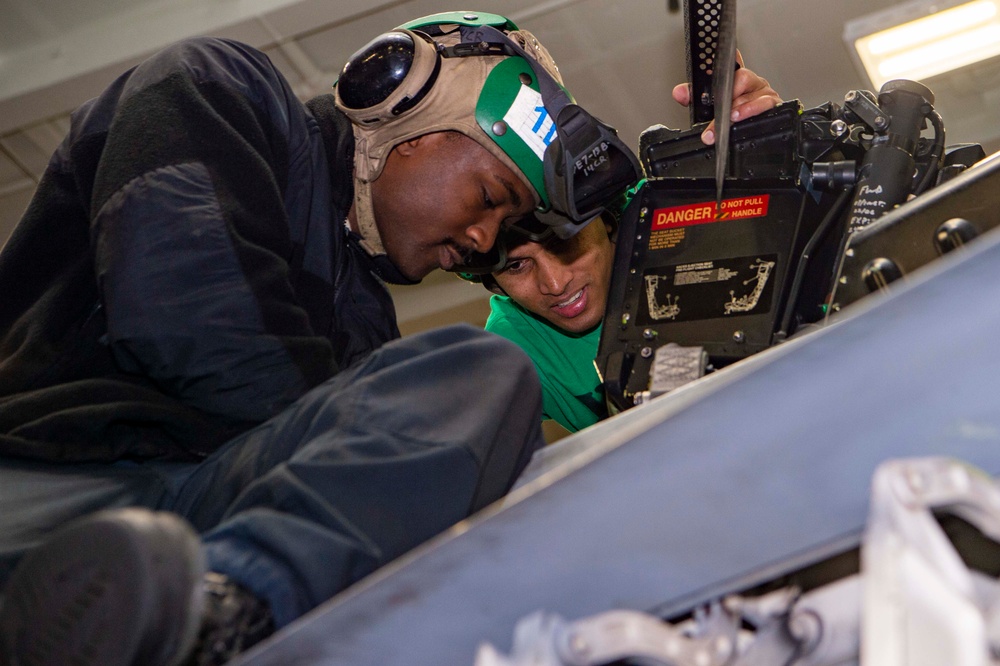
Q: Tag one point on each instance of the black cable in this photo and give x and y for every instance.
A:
(936, 150)
(821, 231)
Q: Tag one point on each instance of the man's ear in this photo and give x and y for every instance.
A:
(431, 141)
(409, 146)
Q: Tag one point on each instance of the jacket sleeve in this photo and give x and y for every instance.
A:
(191, 236)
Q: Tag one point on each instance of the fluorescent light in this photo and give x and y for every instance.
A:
(930, 28)
(919, 40)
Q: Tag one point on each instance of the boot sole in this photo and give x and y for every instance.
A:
(116, 588)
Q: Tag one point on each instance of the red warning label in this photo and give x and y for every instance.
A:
(688, 215)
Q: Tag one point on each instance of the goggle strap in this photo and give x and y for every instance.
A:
(486, 40)
(465, 49)
(553, 95)
(409, 103)
(577, 131)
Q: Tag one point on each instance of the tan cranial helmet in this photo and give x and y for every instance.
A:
(459, 71)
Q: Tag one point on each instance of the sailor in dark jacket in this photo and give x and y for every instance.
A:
(194, 323)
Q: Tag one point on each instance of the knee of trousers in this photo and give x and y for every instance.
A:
(506, 381)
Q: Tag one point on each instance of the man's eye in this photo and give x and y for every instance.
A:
(515, 266)
(488, 200)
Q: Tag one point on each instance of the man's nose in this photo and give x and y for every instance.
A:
(553, 276)
(483, 234)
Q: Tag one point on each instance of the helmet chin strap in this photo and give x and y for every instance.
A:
(364, 211)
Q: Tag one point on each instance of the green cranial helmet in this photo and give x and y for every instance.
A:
(478, 74)
(469, 72)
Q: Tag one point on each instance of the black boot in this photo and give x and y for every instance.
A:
(233, 620)
(125, 587)
(116, 588)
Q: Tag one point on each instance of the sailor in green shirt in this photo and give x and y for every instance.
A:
(550, 301)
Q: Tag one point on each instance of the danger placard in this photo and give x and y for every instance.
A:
(740, 208)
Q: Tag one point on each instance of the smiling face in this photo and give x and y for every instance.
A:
(563, 281)
(442, 196)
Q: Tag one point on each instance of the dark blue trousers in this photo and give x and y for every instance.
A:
(383, 456)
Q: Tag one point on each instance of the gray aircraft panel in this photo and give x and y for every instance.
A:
(750, 472)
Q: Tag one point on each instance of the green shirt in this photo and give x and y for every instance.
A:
(572, 394)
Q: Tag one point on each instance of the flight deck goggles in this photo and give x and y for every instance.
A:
(537, 227)
(573, 161)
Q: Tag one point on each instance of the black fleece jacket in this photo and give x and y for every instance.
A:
(183, 271)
